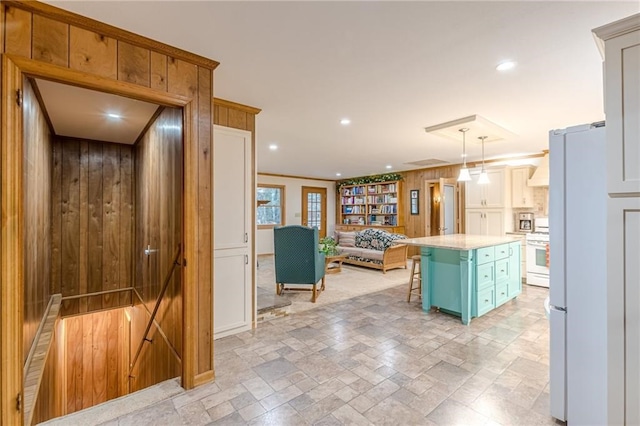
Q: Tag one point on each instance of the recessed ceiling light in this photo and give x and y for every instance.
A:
(345, 121)
(338, 174)
(388, 166)
(273, 147)
(506, 65)
(114, 115)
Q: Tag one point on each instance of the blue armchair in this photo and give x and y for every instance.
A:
(297, 258)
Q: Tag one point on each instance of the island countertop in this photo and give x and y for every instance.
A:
(458, 241)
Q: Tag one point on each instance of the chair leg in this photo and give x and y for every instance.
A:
(313, 294)
(322, 286)
(278, 289)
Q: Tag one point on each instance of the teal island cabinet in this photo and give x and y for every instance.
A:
(468, 275)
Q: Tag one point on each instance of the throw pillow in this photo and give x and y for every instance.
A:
(347, 239)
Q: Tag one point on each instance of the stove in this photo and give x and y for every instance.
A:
(537, 250)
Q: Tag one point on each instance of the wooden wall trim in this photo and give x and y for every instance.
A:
(91, 81)
(11, 246)
(295, 177)
(110, 31)
(203, 378)
(190, 238)
(235, 105)
(34, 369)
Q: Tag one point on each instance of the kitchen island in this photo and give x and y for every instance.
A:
(468, 275)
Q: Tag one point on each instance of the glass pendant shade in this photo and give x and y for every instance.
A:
(464, 175)
(484, 178)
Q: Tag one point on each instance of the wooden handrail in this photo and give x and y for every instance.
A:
(97, 293)
(155, 309)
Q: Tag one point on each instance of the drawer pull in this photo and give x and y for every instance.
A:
(501, 270)
(486, 255)
(502, 294)
(486, 300)
(486, 276)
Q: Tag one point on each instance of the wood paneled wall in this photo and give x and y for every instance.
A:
(93, 357)
(144, 68)
(157, 361)
(37, 215)
(159, 226)
(92, 190)
(415, 225)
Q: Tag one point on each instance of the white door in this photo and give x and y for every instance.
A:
(448, 206)
(233, 259)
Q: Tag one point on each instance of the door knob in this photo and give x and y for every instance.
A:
(149, 250)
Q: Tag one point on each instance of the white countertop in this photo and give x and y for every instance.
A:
(458, 241)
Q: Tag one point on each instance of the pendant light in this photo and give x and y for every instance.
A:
(464, 172)
(484, 178)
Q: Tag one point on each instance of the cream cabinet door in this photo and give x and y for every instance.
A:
(623, 306)
(233, 262)
(521, 193)
(494, 220)
(474, 194)
(474, 222)
(622, 88)
(495, 189)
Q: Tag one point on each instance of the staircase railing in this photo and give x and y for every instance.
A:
(165, 285)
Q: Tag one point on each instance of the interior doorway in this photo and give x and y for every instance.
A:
(314, 208)
(441, 200)
(102, 216)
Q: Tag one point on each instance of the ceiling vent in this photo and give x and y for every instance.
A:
(428, 162)
(477, 125)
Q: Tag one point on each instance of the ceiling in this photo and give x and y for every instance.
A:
(393, 68)
(87, 114)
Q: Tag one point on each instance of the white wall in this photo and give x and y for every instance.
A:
(293, 209)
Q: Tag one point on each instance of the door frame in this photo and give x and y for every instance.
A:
(11, 184)
(439, 183)
(304, 190)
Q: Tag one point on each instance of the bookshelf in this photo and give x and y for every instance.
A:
(370, 205)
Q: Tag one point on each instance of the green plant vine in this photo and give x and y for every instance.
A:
(387, 177)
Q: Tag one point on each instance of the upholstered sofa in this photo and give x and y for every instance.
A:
(373, 248)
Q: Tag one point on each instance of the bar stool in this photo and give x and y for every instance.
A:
(415, 290)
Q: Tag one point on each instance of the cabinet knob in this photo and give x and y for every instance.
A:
(501, 270)
(502, 294)
(486, 276)
(486, 300)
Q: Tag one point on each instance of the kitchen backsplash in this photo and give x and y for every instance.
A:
(540, 202)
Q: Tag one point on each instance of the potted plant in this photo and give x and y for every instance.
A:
(328, 246)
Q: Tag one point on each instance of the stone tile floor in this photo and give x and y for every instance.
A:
(375, 359)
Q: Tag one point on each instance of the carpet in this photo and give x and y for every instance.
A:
(352, 281)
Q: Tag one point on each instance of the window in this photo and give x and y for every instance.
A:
(270, 206)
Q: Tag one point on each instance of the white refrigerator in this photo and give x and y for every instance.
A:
(577, 274)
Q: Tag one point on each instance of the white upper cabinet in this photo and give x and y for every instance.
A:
(521, 193)
(490, 195)
(622, 103)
